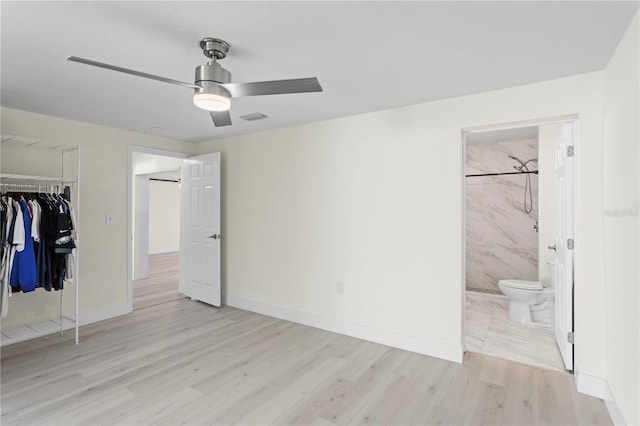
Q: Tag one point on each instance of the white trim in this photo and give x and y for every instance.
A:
(518, 124)
(614, 411)
(103, 313)
(593, 386)
(384, 337)
(599, 388)
(156, 151)
(158, 171)
(463, 236)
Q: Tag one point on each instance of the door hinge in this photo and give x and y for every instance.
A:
(570, 243)
(570, 337)
(570, 151)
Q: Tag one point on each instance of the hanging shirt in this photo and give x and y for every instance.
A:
(18, 227)
(11, 220)
(35, 220)
(23, 273)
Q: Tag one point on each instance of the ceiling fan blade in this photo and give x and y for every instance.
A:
(276, 87)
(132, 72)
(221, 118)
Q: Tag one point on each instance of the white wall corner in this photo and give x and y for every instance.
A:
(104, 313)
(384, 337)
(599, 388)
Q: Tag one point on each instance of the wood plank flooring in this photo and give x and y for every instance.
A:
(184, 362)
(162, 283)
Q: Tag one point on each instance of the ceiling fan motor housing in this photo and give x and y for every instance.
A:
(210, 76)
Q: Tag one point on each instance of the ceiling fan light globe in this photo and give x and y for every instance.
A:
(211, 102)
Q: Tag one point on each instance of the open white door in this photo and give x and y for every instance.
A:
(564, 243)
(200, 277)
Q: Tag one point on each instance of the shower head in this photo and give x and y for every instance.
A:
(523, 164)
(518, 160)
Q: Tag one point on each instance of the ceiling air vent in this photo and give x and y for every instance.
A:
(253, 116)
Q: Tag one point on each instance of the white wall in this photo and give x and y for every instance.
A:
(375, 201)
(621, 158)
(164, 217)
(146, 163)
(103, 188)
(140, 241)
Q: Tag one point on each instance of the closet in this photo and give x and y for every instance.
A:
(42, 171)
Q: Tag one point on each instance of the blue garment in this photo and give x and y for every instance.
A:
(23, 273)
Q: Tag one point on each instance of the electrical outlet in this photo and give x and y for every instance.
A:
(339, 287)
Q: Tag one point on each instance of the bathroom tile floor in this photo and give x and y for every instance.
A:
(489, 331)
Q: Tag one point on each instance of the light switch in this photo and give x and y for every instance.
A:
(109, 218)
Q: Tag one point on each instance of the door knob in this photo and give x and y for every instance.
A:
(214, 236)
(553, 247)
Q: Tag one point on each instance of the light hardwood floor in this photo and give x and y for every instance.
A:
(162, 284)
(184, 362)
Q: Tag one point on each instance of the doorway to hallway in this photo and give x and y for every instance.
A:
(154, 226)
(161, 283)
(174, 207)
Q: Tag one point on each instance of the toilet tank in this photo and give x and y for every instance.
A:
(552, 264)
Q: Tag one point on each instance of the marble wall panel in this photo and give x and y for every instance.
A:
(502, 242)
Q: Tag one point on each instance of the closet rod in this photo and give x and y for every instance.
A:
(33, 187)
(165, 180)
(535, 172)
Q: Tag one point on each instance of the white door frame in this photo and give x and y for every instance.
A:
(130, 203)
(504, 126)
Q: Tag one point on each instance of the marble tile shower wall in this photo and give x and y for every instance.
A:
(502, 242)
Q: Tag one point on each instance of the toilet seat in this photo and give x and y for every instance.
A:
(522, 284)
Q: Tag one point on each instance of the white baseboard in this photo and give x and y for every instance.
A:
(593, 386)
(165, 250)
(104, 313)
(614, 411)
(384, 337)
(599, 388)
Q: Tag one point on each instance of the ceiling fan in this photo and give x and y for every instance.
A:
(213, 89)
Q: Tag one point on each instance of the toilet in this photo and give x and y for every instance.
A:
(529, 302)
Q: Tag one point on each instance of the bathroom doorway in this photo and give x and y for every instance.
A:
(510, 232)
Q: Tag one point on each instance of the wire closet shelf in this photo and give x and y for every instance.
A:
(17, 182)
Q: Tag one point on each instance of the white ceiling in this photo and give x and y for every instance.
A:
(368, 56)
